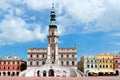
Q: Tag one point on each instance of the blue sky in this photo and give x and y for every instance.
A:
(94, 25)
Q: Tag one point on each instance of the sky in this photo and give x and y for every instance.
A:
(93, 25)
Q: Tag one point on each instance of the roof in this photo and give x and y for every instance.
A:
(11, 58)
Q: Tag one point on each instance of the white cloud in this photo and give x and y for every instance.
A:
(39, 4)
(17, 30)
(94, 15)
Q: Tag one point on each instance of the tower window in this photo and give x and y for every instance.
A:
(52, 33)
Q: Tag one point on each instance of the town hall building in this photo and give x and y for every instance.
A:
(52, 61)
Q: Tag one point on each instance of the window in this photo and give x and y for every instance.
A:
(61, 62)
(100, 66)
(43, 63)
(67, 55)
(110, 61)
(4, 67)
(106, 66)
(52, 33)
(110, 66)
(4, 62)
(91, 60)
(95, 66)
(103, 66)
(43, 55)
(87, 61)
(30, 62)
(8, 67)
(72, 55)
(37, 63)
(31, 56)
(116, 61)
(13, 68)
(116, 66)
(87, 66)
(8, 62)
(37, 55)
(91, 66)
(103, 61)
(18, 68)
(73, 63)
(95, 60)
(62, 56)
(67, 62)
(106, 61)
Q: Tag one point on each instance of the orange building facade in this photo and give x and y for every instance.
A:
(11, 66)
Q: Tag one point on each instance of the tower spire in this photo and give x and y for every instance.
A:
(52, 5)
(52, 15)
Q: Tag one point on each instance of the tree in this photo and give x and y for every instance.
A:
(81, 64)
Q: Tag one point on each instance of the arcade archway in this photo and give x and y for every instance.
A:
(44, 73)
(51, 72)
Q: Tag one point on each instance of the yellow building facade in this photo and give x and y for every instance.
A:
(106, 63)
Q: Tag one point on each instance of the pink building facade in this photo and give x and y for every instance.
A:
(117, 64)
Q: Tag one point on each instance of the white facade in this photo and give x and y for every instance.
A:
(50, 70)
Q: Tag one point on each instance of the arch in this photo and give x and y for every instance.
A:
(44, 73)
(89, 74)
(38, 73)
(117, 72)
(100, 74)
(4, 74)
(64, 73)
(51, 72)
(13, 73)
(8, 73)
(17, 73)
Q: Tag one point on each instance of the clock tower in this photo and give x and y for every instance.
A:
(52, 52)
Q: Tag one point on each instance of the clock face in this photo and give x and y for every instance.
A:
(52, 40)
